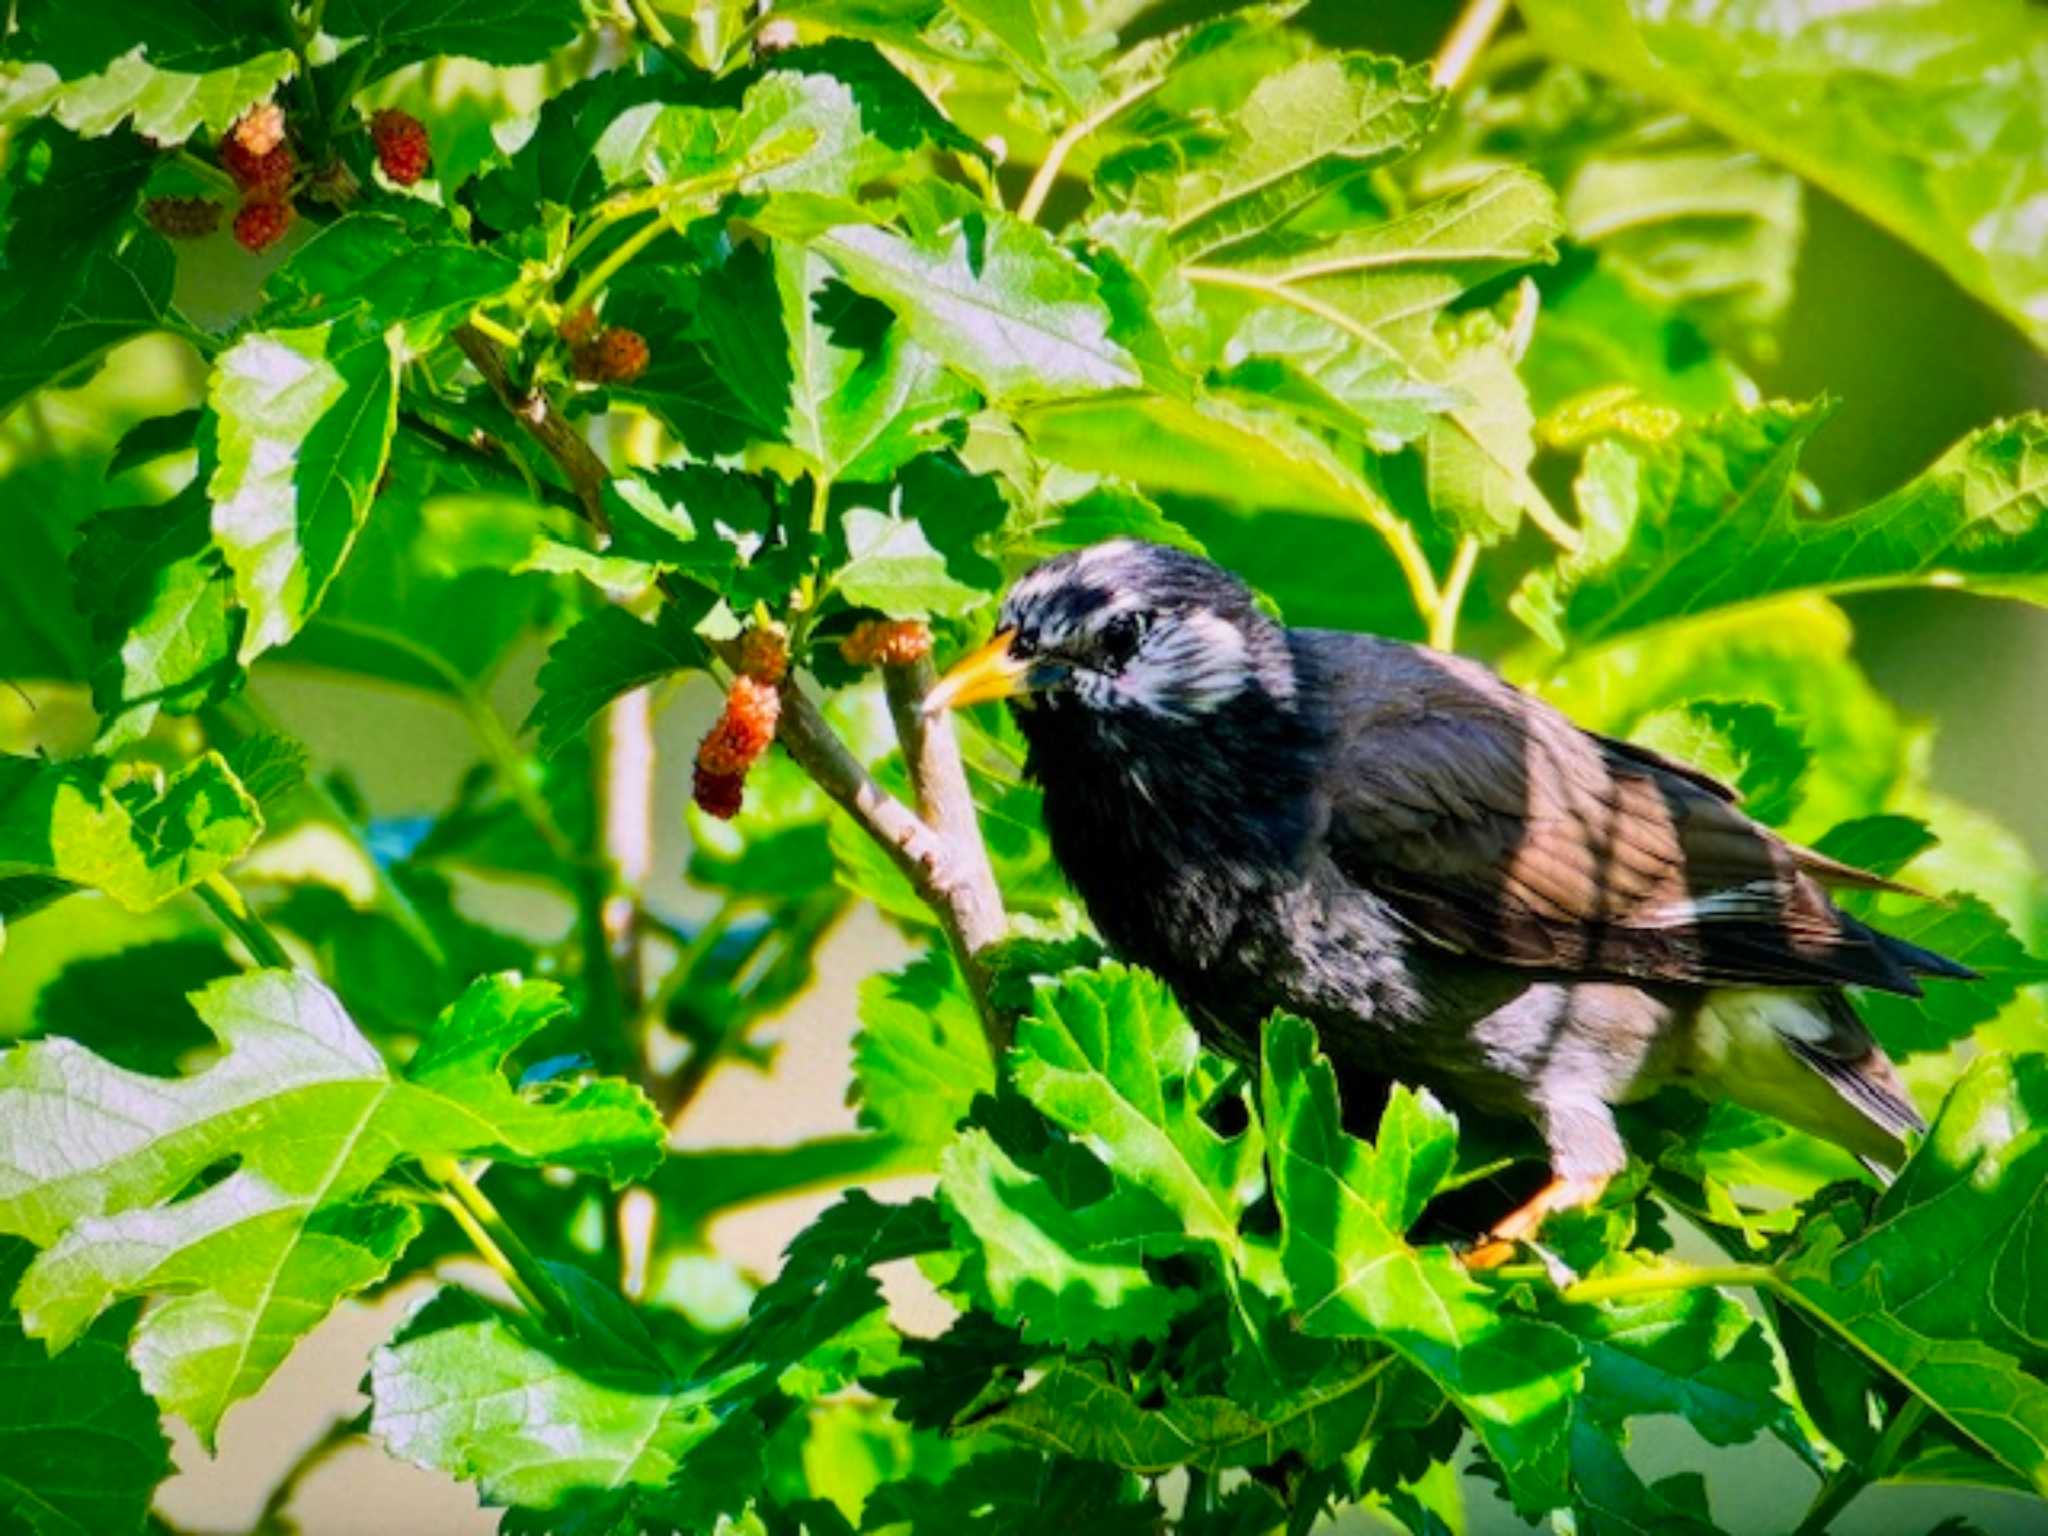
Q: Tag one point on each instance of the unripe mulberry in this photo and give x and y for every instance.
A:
(182, 218)
(579, 326)
(268, 175)
(262, 223)
(718, 794)
(743, 731)
(333, 184)
(887, 643)
(402, 147)
(764, 653)
(260, 129)
(614, 356)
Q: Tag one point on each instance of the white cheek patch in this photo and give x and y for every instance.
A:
(1190, 667)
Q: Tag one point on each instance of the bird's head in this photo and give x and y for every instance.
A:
(1128, 633)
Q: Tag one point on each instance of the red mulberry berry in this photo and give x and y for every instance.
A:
(614, 356)
(402, 147)
(718, 794)
(266, 176)
(579, 326)
(182, 218)
(743, 731)
(260, 129)
(262, 223)
(764, 653)
(887, 642)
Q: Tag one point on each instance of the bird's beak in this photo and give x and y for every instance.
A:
(993, 672)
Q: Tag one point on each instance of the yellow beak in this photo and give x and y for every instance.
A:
(989, 673)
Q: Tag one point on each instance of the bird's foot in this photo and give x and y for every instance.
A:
(1521, 1225)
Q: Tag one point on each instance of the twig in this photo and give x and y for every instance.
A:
(1056, 153)
(555, 433)
(942, 869)
(1850, 1479)
(1466, 40)
(233, 909)
(1443, 624)
(501, 1248)
(974, 905)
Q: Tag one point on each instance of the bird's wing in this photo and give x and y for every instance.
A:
(1496, 827)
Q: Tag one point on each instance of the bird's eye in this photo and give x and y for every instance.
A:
(1121, 637)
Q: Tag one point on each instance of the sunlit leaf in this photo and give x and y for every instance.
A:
(309, 1116)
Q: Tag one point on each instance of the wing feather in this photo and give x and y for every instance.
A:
(1495, 826)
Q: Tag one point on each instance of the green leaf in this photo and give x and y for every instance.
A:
(93, 823)
(861, 408)
(81, 1451)
(1066, 1273)
(1748, 744)
(310, 1117)
(1884, 845)
(1343, 1207)
(1930, 121)
(1384, 288)
(1107, 1056)
(80, 279)
(1680, 519)
(193, 36)
(994, 298)
(1965, 928)
(891, 565)
(605, 655)
(395, 276)
(1019, 1493)
(920, 1058)
(1697, 1353)
(1300, 132)
(162, 611)
(1937, 1286)
(166, 106)
(468, 1392)
(304, 424)
(133, 1006)
(494, 31)
(1077, 1410)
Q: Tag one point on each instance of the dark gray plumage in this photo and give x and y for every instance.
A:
(1452, 881)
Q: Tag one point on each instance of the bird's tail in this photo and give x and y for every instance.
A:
(1807, 1059)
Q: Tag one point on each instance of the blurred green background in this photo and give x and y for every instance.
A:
(1915, 363)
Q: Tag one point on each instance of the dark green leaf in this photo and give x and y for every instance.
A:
(1884, 845)
(380, 264)
(162, 609)
(1964, 928)
(81, 1452)
(495, 31)
(1108, 1057)
(1937, 1286)
(188, 35)
(1353, 1274)
(602, 657)
(921, 1057)
(1750, 745)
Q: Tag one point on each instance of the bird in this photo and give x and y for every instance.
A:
(1456, 885)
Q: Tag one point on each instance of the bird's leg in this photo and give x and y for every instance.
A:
(1521, 1224)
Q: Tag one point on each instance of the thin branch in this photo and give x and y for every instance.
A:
(1443, 624)
(1849, 1479)
(1466, 40)
(948, 870)
(579, 463)
(1056, 153)
(932, 752)
(239, 918)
